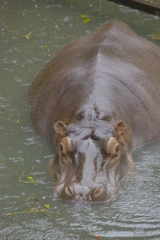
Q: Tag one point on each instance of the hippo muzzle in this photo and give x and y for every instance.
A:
(84, 193)
(88, 166)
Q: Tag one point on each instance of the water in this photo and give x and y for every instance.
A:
(27, 208)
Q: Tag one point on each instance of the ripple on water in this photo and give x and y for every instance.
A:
(32, 141)
(27, 129)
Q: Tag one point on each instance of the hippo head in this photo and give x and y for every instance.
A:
(90, 159)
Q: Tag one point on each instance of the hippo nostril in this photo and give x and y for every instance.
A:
(97, 192)
(69, 191)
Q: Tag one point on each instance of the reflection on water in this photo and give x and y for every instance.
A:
(27, 207)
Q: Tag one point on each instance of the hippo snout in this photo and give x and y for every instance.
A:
(88, 169)
(81, 193)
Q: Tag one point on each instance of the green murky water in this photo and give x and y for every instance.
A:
(31, 32)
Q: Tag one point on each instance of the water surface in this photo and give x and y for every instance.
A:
(31, 33)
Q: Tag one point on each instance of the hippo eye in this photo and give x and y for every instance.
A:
(117, 148)
(65, 146)
(113, 148)
(61, 146)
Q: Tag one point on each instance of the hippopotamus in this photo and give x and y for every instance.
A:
(98, 99)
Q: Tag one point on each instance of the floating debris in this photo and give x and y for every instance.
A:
(28, 36)
(85, 17)
(24, 179)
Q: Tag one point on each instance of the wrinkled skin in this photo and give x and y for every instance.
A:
(100, 97)
(89, 161)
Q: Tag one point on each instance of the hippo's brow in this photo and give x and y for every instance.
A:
(93, 136)
(86, 137)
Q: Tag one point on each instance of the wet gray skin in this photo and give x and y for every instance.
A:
(100, 96)
(89, 162)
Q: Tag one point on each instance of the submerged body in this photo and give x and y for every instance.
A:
(101, 96)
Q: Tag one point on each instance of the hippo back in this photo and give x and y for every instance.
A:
(112, 71)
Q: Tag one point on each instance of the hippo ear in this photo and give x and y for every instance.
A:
(60, 128)
(123, 135)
